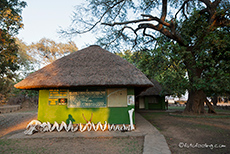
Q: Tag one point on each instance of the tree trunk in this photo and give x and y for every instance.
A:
(214, 100)
(210, 108)
(195, 103)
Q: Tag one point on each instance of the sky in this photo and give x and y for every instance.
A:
(43, 18)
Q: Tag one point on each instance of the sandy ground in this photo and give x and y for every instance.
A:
(73, 145)
(16, 121)
(12, 123)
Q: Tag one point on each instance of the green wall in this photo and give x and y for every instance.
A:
(155, 106)
(59, 113)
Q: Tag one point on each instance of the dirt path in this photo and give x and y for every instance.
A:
(15, 121)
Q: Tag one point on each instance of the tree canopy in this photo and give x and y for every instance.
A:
(10, 23)
(155, 64)
(190, 36)
(141, 22)
(46, 50)
(38, 54)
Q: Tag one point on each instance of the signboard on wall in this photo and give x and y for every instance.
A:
(130, 100)
(58, 97)
(53, 101)
(58, 101)
(87, 99)
(117, 97)
(58, 93)
(62, 101)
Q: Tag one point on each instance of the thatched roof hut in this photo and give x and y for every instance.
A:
(91, 66)
(153, 98)
(155, 90)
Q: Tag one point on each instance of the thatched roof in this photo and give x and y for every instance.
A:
(153, 91)
(91, 66)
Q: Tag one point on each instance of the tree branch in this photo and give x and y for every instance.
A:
(150, 18)
(214, 21)
(135, 32)
(144, 33)
(164, 12)
(119, 11)
(156, 19)
(210, 108)
(182, 8)
(163, 31)
(164, 9)
(126, 22)
(206, 2)
(119, 34)
(216, 3)
(94, 25)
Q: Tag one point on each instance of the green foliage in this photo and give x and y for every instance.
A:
(8, 55)
(10, 18)
(24, 60)
(10, 23)
(168, 62)
(6, 86)
(162, 66)
(209, 55)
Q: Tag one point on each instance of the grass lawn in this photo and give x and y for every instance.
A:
(193, 134)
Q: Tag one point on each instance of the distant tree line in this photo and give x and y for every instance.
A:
(18, 60)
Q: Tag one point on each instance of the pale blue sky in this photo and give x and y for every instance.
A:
(42, 18)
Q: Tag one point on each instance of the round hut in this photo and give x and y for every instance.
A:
(152, 98)
(89, 84)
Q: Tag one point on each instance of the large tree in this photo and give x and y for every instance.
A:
(10, 23)
(195, 31)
